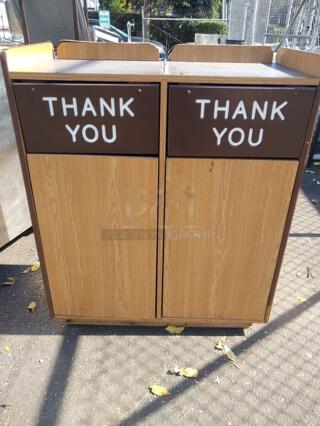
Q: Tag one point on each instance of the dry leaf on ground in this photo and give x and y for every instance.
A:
(301, 299)
(6, 349)
(158, 390)
(32, 268)
(188, 372)
(221, 343)
(9, 281)
(35, 267)
(32, 306)
(229, 354)
(172, 329)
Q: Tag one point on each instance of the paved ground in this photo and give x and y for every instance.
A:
(59, 375)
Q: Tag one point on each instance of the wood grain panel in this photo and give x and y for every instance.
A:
(191, 52)
(307, 62)
(33, 54)
(98, 220)
(114, 51)
(223, 225)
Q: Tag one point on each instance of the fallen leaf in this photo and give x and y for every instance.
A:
(229, 354)
(301, 299)
(172, 329)
(217, 380)
(35, 267)
(221, 343)
(32, 306)
(9, 281)
(6, 349)
(26, 270)
(188, 372)
(158, 390)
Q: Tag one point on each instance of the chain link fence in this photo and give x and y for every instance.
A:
(182, 25)
(293, 23)
(296, 22)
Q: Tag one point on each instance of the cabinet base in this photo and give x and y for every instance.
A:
(161, 322)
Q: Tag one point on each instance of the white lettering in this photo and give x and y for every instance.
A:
(73, 106)
(219, 135)
(262, 112)
(73, 132)
(88, 107)
(276, 110)
(85, 133)
(230, 139)
(50, 100)
(105, 106)
(259, 141)
(114, 134)
(240, 110)
(125, 107)
(202, 103)
(218, 108)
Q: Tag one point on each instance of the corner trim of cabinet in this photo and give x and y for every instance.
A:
(293, 201)
(161, 193)
(26, 177)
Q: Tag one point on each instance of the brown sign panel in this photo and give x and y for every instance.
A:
(245, 122)
(89, 118)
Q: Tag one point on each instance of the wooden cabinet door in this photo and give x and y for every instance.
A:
(98, 221)
(224, 221)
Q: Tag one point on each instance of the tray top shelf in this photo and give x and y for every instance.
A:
(152, 71)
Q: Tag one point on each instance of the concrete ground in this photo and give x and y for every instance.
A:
(53, 374)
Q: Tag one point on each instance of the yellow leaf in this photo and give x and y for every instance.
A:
(35, 267)
(301, 299)
(9, 281)
(158, 390)
(230, 355)
(6, 349)
(172, 329)
(188, 372)
(32, 306)
(221, 343)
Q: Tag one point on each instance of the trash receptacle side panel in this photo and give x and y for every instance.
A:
(224, 222)
(98, 223)
(72, 118)
(238, 121)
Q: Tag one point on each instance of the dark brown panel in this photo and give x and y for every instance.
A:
(243, 122)
(89, 118)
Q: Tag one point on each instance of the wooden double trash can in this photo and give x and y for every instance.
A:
(163, 192)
